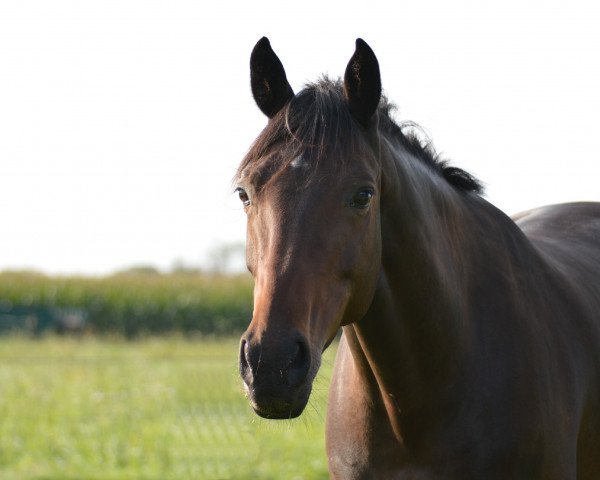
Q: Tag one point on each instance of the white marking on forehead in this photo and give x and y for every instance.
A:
(299, 162)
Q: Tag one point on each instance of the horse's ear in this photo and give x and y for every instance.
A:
(362, 83)
(270, 87)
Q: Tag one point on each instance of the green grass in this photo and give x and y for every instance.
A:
(169, 408)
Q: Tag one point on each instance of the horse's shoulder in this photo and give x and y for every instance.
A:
(568, 235)
(564, 220)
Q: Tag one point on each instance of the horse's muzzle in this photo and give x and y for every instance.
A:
(276, 375)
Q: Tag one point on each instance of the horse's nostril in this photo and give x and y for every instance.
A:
(272, 364)
(297, 357)
(243, 358)
(299, 364)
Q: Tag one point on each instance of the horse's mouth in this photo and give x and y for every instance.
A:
(279, 388)
(279, 407)
(284, 414)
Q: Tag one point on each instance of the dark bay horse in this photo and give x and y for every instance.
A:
(471, 341)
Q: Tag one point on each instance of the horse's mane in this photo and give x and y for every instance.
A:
(318, 120)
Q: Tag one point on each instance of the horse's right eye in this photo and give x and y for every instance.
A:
(362, 198)
(245, 199)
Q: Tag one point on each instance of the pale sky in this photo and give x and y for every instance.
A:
(122, 122)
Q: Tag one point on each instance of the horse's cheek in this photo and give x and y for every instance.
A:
(367, 270)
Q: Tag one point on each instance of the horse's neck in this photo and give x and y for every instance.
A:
(413, 338)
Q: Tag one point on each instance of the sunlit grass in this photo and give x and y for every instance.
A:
(150, 409)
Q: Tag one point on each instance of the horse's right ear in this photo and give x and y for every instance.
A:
(270, 87)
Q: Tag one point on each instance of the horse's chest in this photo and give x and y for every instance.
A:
(360, 441)
(361, 445)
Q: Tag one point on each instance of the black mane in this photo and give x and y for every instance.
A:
(317, 119)
(416, 142)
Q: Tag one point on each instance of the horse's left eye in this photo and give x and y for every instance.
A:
(362, 198)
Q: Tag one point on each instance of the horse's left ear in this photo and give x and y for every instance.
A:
(270, 87)
(362, 83)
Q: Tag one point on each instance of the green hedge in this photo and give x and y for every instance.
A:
(134, 303)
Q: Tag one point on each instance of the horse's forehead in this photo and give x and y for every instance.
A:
(280, 167)
(288, 168)
(300, 162)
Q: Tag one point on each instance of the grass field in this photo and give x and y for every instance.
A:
(157, 408)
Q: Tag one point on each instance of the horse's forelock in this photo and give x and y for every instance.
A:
(317, 124)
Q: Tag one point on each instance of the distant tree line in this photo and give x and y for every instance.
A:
(138, 301)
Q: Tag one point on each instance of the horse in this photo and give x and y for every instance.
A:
(470, 344)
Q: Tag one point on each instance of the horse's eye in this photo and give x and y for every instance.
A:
(243, 196)
(362, 198)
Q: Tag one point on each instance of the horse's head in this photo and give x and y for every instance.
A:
(311, 188)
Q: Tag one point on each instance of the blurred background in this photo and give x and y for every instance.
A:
(122, 284)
